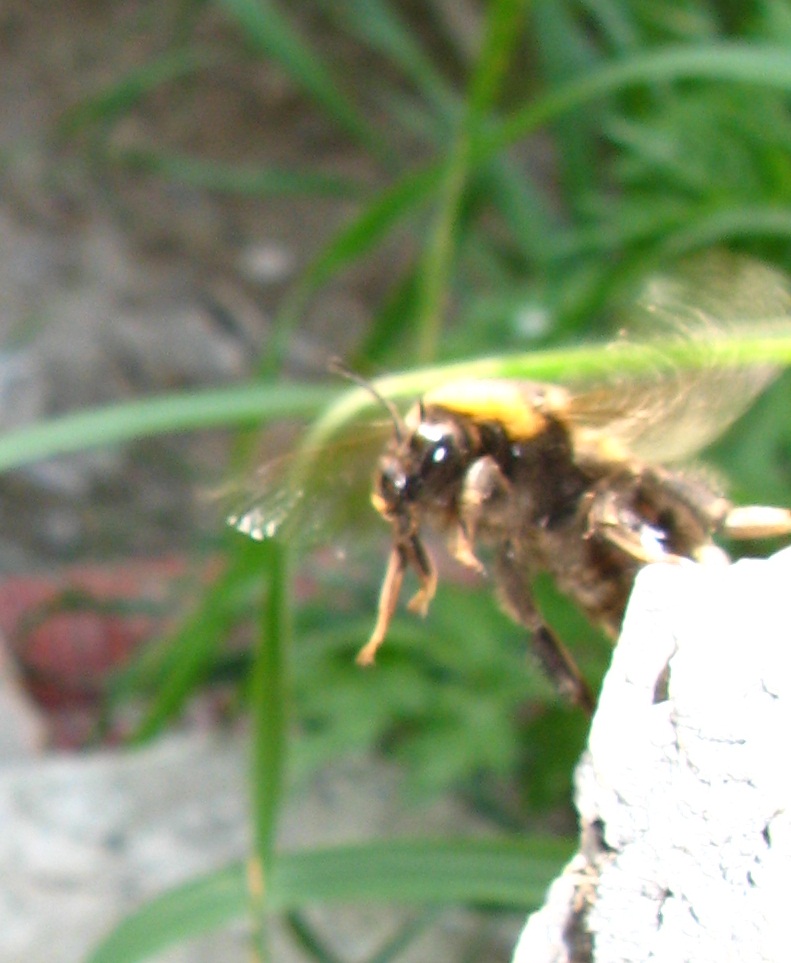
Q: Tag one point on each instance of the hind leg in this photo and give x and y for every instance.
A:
(555, 659)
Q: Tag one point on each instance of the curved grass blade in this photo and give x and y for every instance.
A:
(765, 65)
(567, 365)
(256, 404)
(500, 872)
(271, 35)
(183, 411)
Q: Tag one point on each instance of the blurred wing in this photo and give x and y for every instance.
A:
(670, 411)
(314, 496)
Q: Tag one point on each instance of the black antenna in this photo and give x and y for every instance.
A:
(336, 366)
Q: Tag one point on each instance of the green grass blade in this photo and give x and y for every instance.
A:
(118, 99)
(499, 36)
(763, 65)
(232, 179)
(175, 666)
(307, 939)
(271, 35)
(565, 49)
(501, 31)
(180, 914)
(269, 714)
(507, 872)
(256, 404)
(377, 24)
(390, 207)
(504, 873)
(183, 411)
(565, 365)
(713, 228)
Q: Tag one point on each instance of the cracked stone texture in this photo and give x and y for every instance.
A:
(685, 795)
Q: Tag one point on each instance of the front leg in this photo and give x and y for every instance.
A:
(407, 552)
(485, 500)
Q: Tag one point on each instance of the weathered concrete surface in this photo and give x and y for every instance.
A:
(685, 795)
(86, 839)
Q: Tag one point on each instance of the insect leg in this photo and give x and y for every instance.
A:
(555, 659)
(403, 555)
(611, 518)
(485, 494)
(427, 576)
(388, 599)
(661, 515)
(756, 521)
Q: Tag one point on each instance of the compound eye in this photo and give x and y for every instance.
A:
(436, 454)
(439, 457)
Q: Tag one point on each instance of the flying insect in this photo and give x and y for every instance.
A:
(579, 484)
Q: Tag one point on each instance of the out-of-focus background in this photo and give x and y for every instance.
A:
(224, 195)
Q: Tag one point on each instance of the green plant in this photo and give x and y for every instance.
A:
(667, 132)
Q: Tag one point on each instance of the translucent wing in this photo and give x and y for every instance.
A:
(310, 496)
(662, 410)
(669, 410)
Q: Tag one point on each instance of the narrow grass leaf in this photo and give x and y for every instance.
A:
(118, 99)
(377, 24)
(499, 36)
(180, 914)
(270, 34)
(233, 179)
(268, 692)
(713, 228)
(269, 700)
(501, 872)
(307, 938)
(566, 365)
(178, 664)
(389, 208)
(764, 65)
(183, 411)
(565, 49)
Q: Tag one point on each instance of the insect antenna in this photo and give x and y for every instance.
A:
(336, 366)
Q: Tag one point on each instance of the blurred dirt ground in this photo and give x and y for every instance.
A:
(114, 285)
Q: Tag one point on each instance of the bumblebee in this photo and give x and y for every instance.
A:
(517, 467)
(579, 482)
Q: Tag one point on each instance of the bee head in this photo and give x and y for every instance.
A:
(422, 468)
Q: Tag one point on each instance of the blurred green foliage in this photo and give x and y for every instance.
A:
(528, 175)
